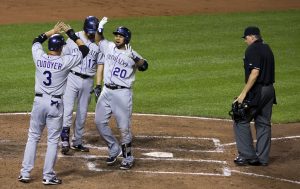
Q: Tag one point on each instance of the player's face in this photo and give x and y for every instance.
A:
(249, 39)
(120, 41)
(91, 37)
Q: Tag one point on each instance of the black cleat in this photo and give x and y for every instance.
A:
(80, 148)
(53, 181)
(126, 165)
(65, 147)
(112, 160)
(24, 179)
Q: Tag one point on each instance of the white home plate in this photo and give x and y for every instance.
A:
(159, 154)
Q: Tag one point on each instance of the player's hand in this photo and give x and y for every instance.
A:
(65, 27)
(128, 51)
(101, 24)
(97, 91)
(58, 27)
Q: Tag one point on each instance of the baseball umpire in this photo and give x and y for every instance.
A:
(79, 86)
(120, 64)
(50, 81)
(259, 95)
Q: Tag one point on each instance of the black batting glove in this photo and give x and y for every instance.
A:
(97, 91)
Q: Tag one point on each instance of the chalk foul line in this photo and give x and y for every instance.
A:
(264, 176)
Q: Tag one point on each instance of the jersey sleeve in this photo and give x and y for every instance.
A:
(253, 58)
(137, 54)
(37, 50)
(70, 47)
(103, 47)
(72, 60)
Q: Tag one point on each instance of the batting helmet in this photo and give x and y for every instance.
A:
(55, 42)
(90, 25)
(125, 32)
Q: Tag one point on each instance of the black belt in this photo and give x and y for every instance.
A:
(113, 87)
(265, 84)
(54, 96)
(80, 75)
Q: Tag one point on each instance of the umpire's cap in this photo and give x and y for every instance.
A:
(55, 42)
(90, 25)
(125, 32)
(251, 30)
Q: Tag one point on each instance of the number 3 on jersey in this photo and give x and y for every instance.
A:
(119, 72)
(48, 77)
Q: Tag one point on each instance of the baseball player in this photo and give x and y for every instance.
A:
(50, 81)
(79, 86)
(120, 64)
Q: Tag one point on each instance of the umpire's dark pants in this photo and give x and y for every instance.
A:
(262, 119)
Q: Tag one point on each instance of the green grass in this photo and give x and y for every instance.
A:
(195, 62)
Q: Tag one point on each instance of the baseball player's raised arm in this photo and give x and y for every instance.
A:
(99, 34)
(71, 34)
(44, 36)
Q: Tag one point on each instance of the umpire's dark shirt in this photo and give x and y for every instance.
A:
(259, 55)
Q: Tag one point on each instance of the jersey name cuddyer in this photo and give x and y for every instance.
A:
(119, 69)
(88, 65)
(49, 64)
(51, 71)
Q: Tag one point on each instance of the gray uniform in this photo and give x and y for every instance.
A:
(79, 86)
(116, 97)
(50, 82)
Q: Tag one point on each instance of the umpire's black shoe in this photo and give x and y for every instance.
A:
(80, 148)
(242, 161)
(263, 164)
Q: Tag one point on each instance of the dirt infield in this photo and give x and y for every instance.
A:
(202, 153)
(198, 152)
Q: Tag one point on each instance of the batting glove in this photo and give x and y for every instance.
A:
(97, 91)
(101, 24)
(128, 51)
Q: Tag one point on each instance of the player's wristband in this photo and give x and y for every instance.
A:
(41, 38)
(100, 30)
(136, 59)
(72, 35)
(143, 67)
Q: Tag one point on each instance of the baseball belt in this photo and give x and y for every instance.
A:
(113, 87)
(54, 96)
(80, 75)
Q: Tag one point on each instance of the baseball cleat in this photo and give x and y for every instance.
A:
(80, 148)
(52, 181)
(125, 165)
(23, 179)
(65, 147)
(112, 160)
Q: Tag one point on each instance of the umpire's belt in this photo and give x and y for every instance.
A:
(80, 75)
(113, 87)
(54, 96)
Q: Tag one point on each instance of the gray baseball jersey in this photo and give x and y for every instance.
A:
(79, 87)
(50, 81)
(119, 70)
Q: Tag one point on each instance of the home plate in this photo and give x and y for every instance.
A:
(159, 154)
